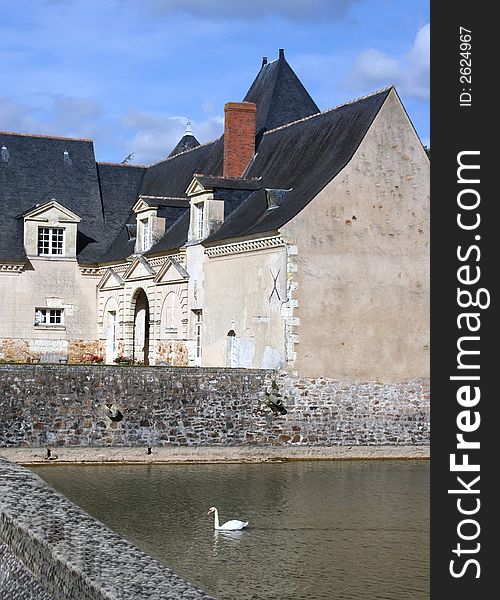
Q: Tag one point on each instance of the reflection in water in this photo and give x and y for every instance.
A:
(226, 537)
(346, 530)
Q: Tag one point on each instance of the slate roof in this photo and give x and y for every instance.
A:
(233, 183)
(301, 156)
(171, 177)
(279, 95)
(175, 236)
(187, 142)
(280, 98)
(304, 156)
(35, 173)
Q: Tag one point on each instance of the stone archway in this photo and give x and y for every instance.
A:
(140, 346)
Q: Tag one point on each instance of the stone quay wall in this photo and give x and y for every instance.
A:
(53, 550)
(65, 405)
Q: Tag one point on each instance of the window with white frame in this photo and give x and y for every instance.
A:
(50, 241)
(200, 220)
(49, 316)
(146, 235)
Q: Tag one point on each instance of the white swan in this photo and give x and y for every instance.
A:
(233, 525)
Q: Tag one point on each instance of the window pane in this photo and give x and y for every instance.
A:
(50, 240)
(201, 220)
(48, 316)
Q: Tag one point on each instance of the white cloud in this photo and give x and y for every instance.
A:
(149, 136)
(53, 115)
(152, 137)
(410, 73)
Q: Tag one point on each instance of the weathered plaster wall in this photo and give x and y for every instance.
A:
(47, 283)
(53, 550)
(65, 406)
(360, 272)
(245, 293)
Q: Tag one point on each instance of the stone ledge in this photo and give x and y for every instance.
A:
(201, 454)
(70, 554)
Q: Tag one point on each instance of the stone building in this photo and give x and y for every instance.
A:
(297, 241)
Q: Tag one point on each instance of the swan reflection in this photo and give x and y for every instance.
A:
(227, 539)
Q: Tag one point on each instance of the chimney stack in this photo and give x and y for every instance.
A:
(239, 137)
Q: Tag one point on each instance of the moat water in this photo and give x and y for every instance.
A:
(347, 530)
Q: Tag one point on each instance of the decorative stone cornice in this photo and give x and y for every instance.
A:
(159, 261)
(10, 268)
(247, 246)
(94, 271)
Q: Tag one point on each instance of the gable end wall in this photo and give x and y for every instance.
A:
(361, 268)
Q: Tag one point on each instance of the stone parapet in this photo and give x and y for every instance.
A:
(53, 550)
(65, 405)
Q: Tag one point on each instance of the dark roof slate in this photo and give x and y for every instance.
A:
(35, 173)
(233, 183)
(175, 236)
(171, 177)
(304, 156)
(279, 95)
(187, 142)
(119, 185)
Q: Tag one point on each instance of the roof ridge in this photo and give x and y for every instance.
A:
(163, 197)
(183, 152)
(104, 162)
(42, 135)
(387, 88)
(226, 178)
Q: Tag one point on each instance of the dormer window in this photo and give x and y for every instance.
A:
(150, 225)
(50, 241)
(200, 220)
(50, 231)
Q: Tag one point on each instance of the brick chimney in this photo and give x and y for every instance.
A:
(239, 137)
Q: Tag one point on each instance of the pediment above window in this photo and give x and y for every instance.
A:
(195, 187)
(50, 231)
(141, 205)
(140, 268)
(110, 280)
(51, 212)
(171, 272)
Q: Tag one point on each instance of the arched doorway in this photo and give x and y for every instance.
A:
(140, 348)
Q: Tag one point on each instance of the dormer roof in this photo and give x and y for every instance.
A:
(36, 212)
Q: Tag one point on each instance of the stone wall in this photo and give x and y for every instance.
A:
(53, 550)
(65, 405)
(49, 350)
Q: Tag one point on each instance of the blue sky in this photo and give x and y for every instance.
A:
(128, 73)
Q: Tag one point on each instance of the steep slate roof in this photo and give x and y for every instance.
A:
(170, 177)
(187, 142)
(175, 236)
(305, 156)
(279, 95)
(37, 172)
(302, 156)
(119, 185)
(280, 98)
